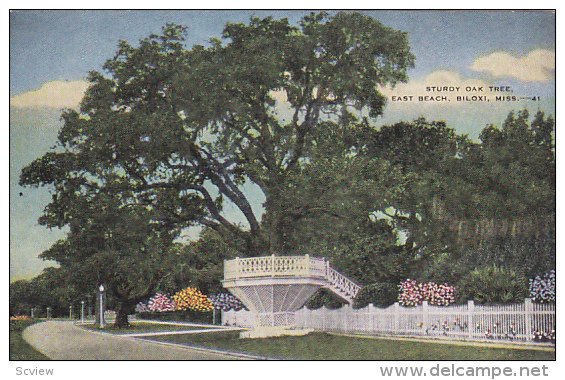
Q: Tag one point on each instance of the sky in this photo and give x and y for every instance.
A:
(51, 52)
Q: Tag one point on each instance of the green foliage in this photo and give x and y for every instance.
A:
(179, 130)
(20, 297)
(53, 288)
(325, 298)
(200, 263)
(468, 202)
(493, 285)
(379, 294)
(517, 171)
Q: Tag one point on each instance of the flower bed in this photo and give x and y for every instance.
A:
(413, 293)
(542, 288)
(192, 299)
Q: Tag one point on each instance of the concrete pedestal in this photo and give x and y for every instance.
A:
(273, 331)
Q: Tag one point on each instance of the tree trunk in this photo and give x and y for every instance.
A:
(278, 223)
(276, 237)
(122, 312)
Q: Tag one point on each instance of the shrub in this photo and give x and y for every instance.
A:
(160, 303)
(413, 293)
(20, 318)
(380, 294)
(226, 301)
(193, 299)
(325, 298)
(542, 288)
(493, 285)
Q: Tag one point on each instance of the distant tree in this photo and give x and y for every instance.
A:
(118, 243)
(471, 202)
(20, 300)
(516, 175)
(50, 289)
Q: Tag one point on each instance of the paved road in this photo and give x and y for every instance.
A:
(62, 340)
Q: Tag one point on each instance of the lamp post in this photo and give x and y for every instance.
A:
(32, 312)
(71, 312)
(81, 311)
(48, 313)
(101, 289)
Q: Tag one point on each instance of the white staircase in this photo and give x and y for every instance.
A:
(341, 285)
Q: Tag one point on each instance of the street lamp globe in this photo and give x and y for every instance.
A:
(101, 288)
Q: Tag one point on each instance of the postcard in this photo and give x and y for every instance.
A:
(283, 185)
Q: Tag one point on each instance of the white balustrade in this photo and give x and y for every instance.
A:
(288, 266)
(343, 284)
(267, 266)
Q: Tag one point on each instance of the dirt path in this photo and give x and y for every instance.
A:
(62, 340)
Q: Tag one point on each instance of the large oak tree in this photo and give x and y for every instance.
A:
(201, 122)
(168, 134)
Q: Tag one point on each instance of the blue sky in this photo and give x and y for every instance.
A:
(49, 45)
(56, 50)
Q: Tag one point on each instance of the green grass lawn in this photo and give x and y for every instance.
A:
(19, 348)
(321, 346)
(141, 327)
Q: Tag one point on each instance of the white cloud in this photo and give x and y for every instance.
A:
(56, 94)
(537, 66)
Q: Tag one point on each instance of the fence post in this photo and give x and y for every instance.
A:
(425, 315)
(343, 311)
(371, 310)
(396, 317)
(528, 314)
(470, 312)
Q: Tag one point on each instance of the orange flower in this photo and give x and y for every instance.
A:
(191, 298)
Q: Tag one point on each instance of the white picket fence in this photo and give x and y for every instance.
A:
(469, 321)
